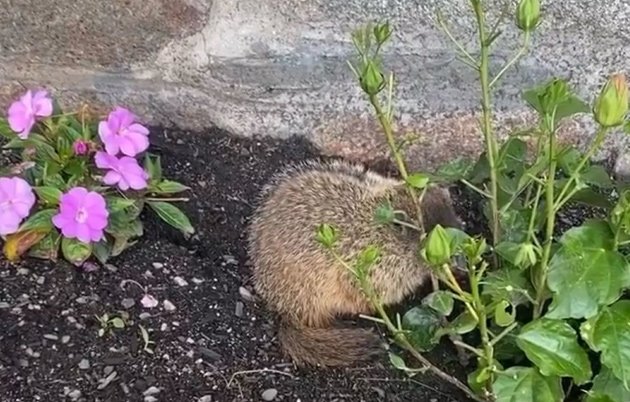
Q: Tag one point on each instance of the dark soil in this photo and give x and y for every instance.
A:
(218, 344)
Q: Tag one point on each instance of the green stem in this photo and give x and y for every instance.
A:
(488, 347)
(541, 275)
(532, 218)
(489, 138)
(183, 199)
(563, 198)
(503, 333)
(518, 55)
(400, 337)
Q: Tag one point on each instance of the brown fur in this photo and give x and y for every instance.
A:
(304, 284)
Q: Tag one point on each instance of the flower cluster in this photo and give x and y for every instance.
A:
(61, 198)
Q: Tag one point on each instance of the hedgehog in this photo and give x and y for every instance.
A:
(302, 282)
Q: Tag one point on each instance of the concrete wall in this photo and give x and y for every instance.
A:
(278, 67)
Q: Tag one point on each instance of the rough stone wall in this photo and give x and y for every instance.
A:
(278, 67)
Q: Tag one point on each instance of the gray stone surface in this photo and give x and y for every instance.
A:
(278, 67)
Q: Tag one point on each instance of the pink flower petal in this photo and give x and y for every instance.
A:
(122, 184)
(103, 130)
(96, 234)
(61, 220)
(127, 146)
(149, 301)
(140, 141)
(104, 160)
(42, 105)
(94, 202)
(123, 116)
(139, 128)
(9, 223)
(69, 229)
(112, 178)
(97, 221)
(83, 233)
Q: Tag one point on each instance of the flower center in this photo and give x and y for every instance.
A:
(81, 215)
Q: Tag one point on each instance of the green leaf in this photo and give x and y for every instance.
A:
(172, 215)
(597, 176)
(501, 315)
(49, 195)
(454, 170)
(121, 244)
(102, 251)
(116, 204)
(423, 323)
(570, 106)
(526, 384)
(508, 284)
(55, 181)
(40, 220)
(326, 235)
(366, 259)
(418, 180)
(463, 324)
(384, 214)
(75, 251)
(591, 198)
(606, 385)
(120, 225)
(609, 333)
(153, 166)
(514, 224)
(585, 272)
(552, 346)
(5, 129)
(169, 187)
(118, 322)
(440, 301)
(47, 248)
(400, 364)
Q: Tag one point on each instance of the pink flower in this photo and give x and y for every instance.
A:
(119, 133)
(24, 112)
(82, 215)
(123, 171)
(16, 200)
(80, 147)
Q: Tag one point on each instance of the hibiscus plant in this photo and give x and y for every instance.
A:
(79, 186)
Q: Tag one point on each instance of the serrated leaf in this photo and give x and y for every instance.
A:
(440, 301)
(552, 345)
(169, 187)
(526, 384)
(172, 215)
(49, 195)
(609, 333)
(422, 322)
(585, 272)
(40, 220)
(570, 106)
(17, 244)
(607, 387)
(326, 235)
(47, 248)
(75, 251)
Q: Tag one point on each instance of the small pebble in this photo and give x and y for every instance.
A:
(23, 363)
(144, 316)
(74, 395)
(198, 281)
(269, 394)
(84, 364)
(128, 303)
(180, 281)
(106, 381)
(82, 299)
(111, 267)
(245, 294)
(51, 337)
(41, 280)
(158, 265)
(229, 259)
(4, 305)
(65, 339)
(205, 398)
(151, 391)
(163, 327)
(23, 271)
(168, 306)
(150, 399)
(239, 309)
(108, 369)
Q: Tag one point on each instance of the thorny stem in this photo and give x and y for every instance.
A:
(399, 336)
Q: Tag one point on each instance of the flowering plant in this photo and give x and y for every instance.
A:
(79, 186)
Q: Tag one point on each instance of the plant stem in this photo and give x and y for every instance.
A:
(541, 275)
(184, 199)
(488, 347)
(503, 333)
(518, 55)
(400, 337)
(489, 138)
(597, 142)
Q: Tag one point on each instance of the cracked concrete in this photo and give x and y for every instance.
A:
(278, 67)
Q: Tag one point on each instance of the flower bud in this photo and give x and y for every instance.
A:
(438, 247)
(526, 256)
(372, 80)
(611, 106)
(528, 14)
(382, 32)
(80, 147)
